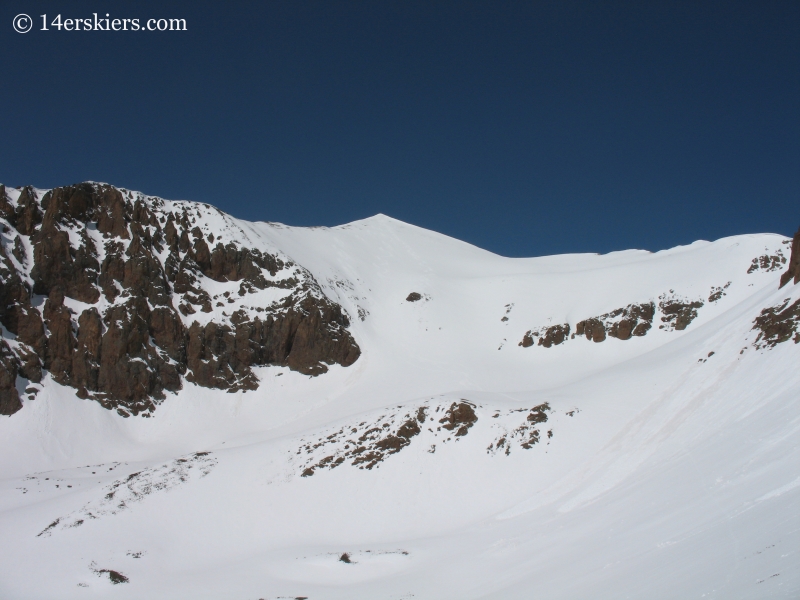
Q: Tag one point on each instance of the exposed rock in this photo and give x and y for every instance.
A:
(593, 329)
(413, 297)
(131, 373)
(778, 324)
(373, 439)
(554, 335)
(767, 262)
(793, 272)
(9, 397)
(56, 262)
(718, 292)
(537, 415)
(26, 215)
(625, 323)
(86, 357)
(61, 339)
(21, 319)
(622, 323)
(525, 435)
(548, 336)
(365, 445)
(151, 261)
(636, 320)
(677, 313)
(509, 308)
(459, 418)
(115, 577)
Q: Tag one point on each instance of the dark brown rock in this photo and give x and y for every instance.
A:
(6, 209)
(61, 340)
(793, 272)
(21, 319)
(554, 335)
(624, 329)
(30, 367)
(16, 312)
(168, 333)
(622, 323)
(319, 337)
(548, 337)
(679, 314)
(128, 355)
(112, 218)
(527, 340)
(460, 417)
(767, 262)
(394, 443)
(718, 292)
(633, 320)
(19, 250)
(171, 233)
(593, 329)
(131, 372)
(305, 339)
(86, 358)
(778, 324)
(27, 214)
(538, 414)
(413, 297)
(9, 397)
(56, 264)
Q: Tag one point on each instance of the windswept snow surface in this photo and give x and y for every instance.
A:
(662, 466)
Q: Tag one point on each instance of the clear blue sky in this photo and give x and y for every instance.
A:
(525, 128)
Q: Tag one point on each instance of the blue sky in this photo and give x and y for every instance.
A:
(525, 128)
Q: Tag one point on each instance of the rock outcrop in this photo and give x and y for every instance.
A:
(123, 296)
(9, 396)
(767, 263)
(372, 439)
(677, 313)
(778, 324)
(634, 320)
(548, 336)
(622, 323)
(793, 272)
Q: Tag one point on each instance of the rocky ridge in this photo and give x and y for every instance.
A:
(367, 443)
(122, 296)
(775, 324)
(633, 320)
(674, 312)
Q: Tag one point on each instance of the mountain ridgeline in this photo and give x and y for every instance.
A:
(121, 296)
(125, 297)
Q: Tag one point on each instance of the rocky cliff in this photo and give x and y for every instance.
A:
(124, 296)
(793, 272)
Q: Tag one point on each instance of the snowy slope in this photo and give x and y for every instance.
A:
(449, 461)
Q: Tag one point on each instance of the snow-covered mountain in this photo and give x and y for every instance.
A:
(202, 407)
